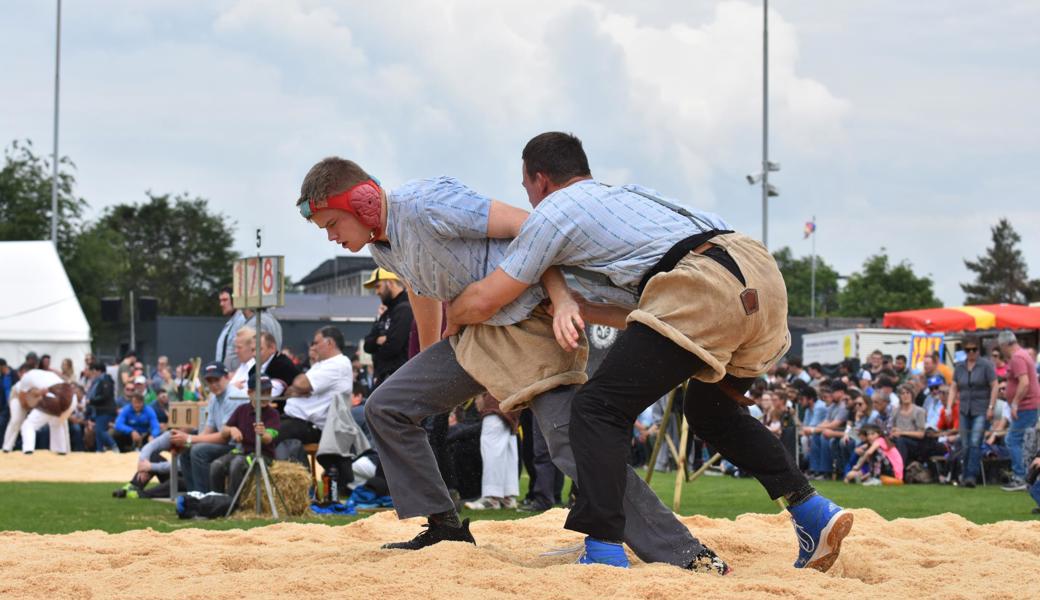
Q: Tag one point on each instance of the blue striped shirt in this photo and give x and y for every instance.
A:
(438, 243)
(614, 231)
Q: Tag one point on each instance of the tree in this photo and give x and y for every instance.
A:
(25, 198)
(797, 274)
(1001, 274)
(175, 250)
(881, 288)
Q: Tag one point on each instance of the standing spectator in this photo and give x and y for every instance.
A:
(226, 340)
(975, 388)
(500, 482)
(68, 372)
(45, 364)
(1023, 397)
(795, 370)
(198, 451)
(388, 340)
(126, 369)
(32, 361)
(102, 399)
(7, 380)
(268, 324)
(999, 365)
(84, 375)
(907, 425)
(311, 393)
(135, 424)
(899, 366)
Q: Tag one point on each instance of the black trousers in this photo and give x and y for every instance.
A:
(292, 428)
(639, 368)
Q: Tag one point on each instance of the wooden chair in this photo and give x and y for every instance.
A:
(312, 458)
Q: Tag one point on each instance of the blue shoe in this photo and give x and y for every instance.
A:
(598, 552)
(820, 525)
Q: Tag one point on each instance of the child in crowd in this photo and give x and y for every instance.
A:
(226, 473)
(883, 461)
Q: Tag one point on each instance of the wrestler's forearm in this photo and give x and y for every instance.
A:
(556, 286)
(427, 314)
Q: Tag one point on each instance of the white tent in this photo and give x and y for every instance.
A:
(39, 311)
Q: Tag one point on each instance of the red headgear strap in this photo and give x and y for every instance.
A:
(364, 201)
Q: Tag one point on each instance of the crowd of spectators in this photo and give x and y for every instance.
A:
(881, 423)
(873, 423)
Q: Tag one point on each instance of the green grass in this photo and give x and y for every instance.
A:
(68, 507)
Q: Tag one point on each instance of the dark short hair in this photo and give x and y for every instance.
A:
(807, 392)
(869, 427)
(3, 362)
(330, 176)
(226, 290)
(268, 338)
(559, 156)
(902, 356)
(816, 365)
(136, 396)
(795, 361)
(333, 333)
(98, 366)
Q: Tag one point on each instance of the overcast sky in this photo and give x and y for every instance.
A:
(909, 126)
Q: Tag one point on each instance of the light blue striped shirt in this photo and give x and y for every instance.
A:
(619, 232)
(438, 243)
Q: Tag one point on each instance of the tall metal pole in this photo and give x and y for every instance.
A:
(812, 305)
(765, 123)
(54, 178)
(133, 326)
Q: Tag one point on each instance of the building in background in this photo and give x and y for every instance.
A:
(339, 276)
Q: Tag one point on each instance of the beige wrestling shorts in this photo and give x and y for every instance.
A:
(735, 329)
(518, 362)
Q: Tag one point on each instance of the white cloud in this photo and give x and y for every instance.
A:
(234, 100)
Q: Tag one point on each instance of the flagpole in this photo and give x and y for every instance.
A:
(812, 303)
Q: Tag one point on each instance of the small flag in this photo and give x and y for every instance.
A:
(810, 228)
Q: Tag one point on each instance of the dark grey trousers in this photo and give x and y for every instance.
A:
(433, 383)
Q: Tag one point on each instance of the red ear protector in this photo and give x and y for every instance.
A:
(363, 201)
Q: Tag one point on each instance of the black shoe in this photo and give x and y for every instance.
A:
(528, 505)
(435, 532)
(1036, 511)
(707, 561)
(968, 483)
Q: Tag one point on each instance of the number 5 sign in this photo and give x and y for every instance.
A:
(257, 282)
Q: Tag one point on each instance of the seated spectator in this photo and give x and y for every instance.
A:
(1033, 481)
(908, 426)
(81, 428)
(281, 371)
(815, 411)
(227, 472)
(500, 482)
(860, 412)
(162, 408)
(312, 392)
(245, 353)
(198, 451)
(136, 424)
(162, 378)
(123, 399)
(879, 461)
(881, 413)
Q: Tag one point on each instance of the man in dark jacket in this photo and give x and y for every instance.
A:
(102, 398)
(278, 367)
(388, 340)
